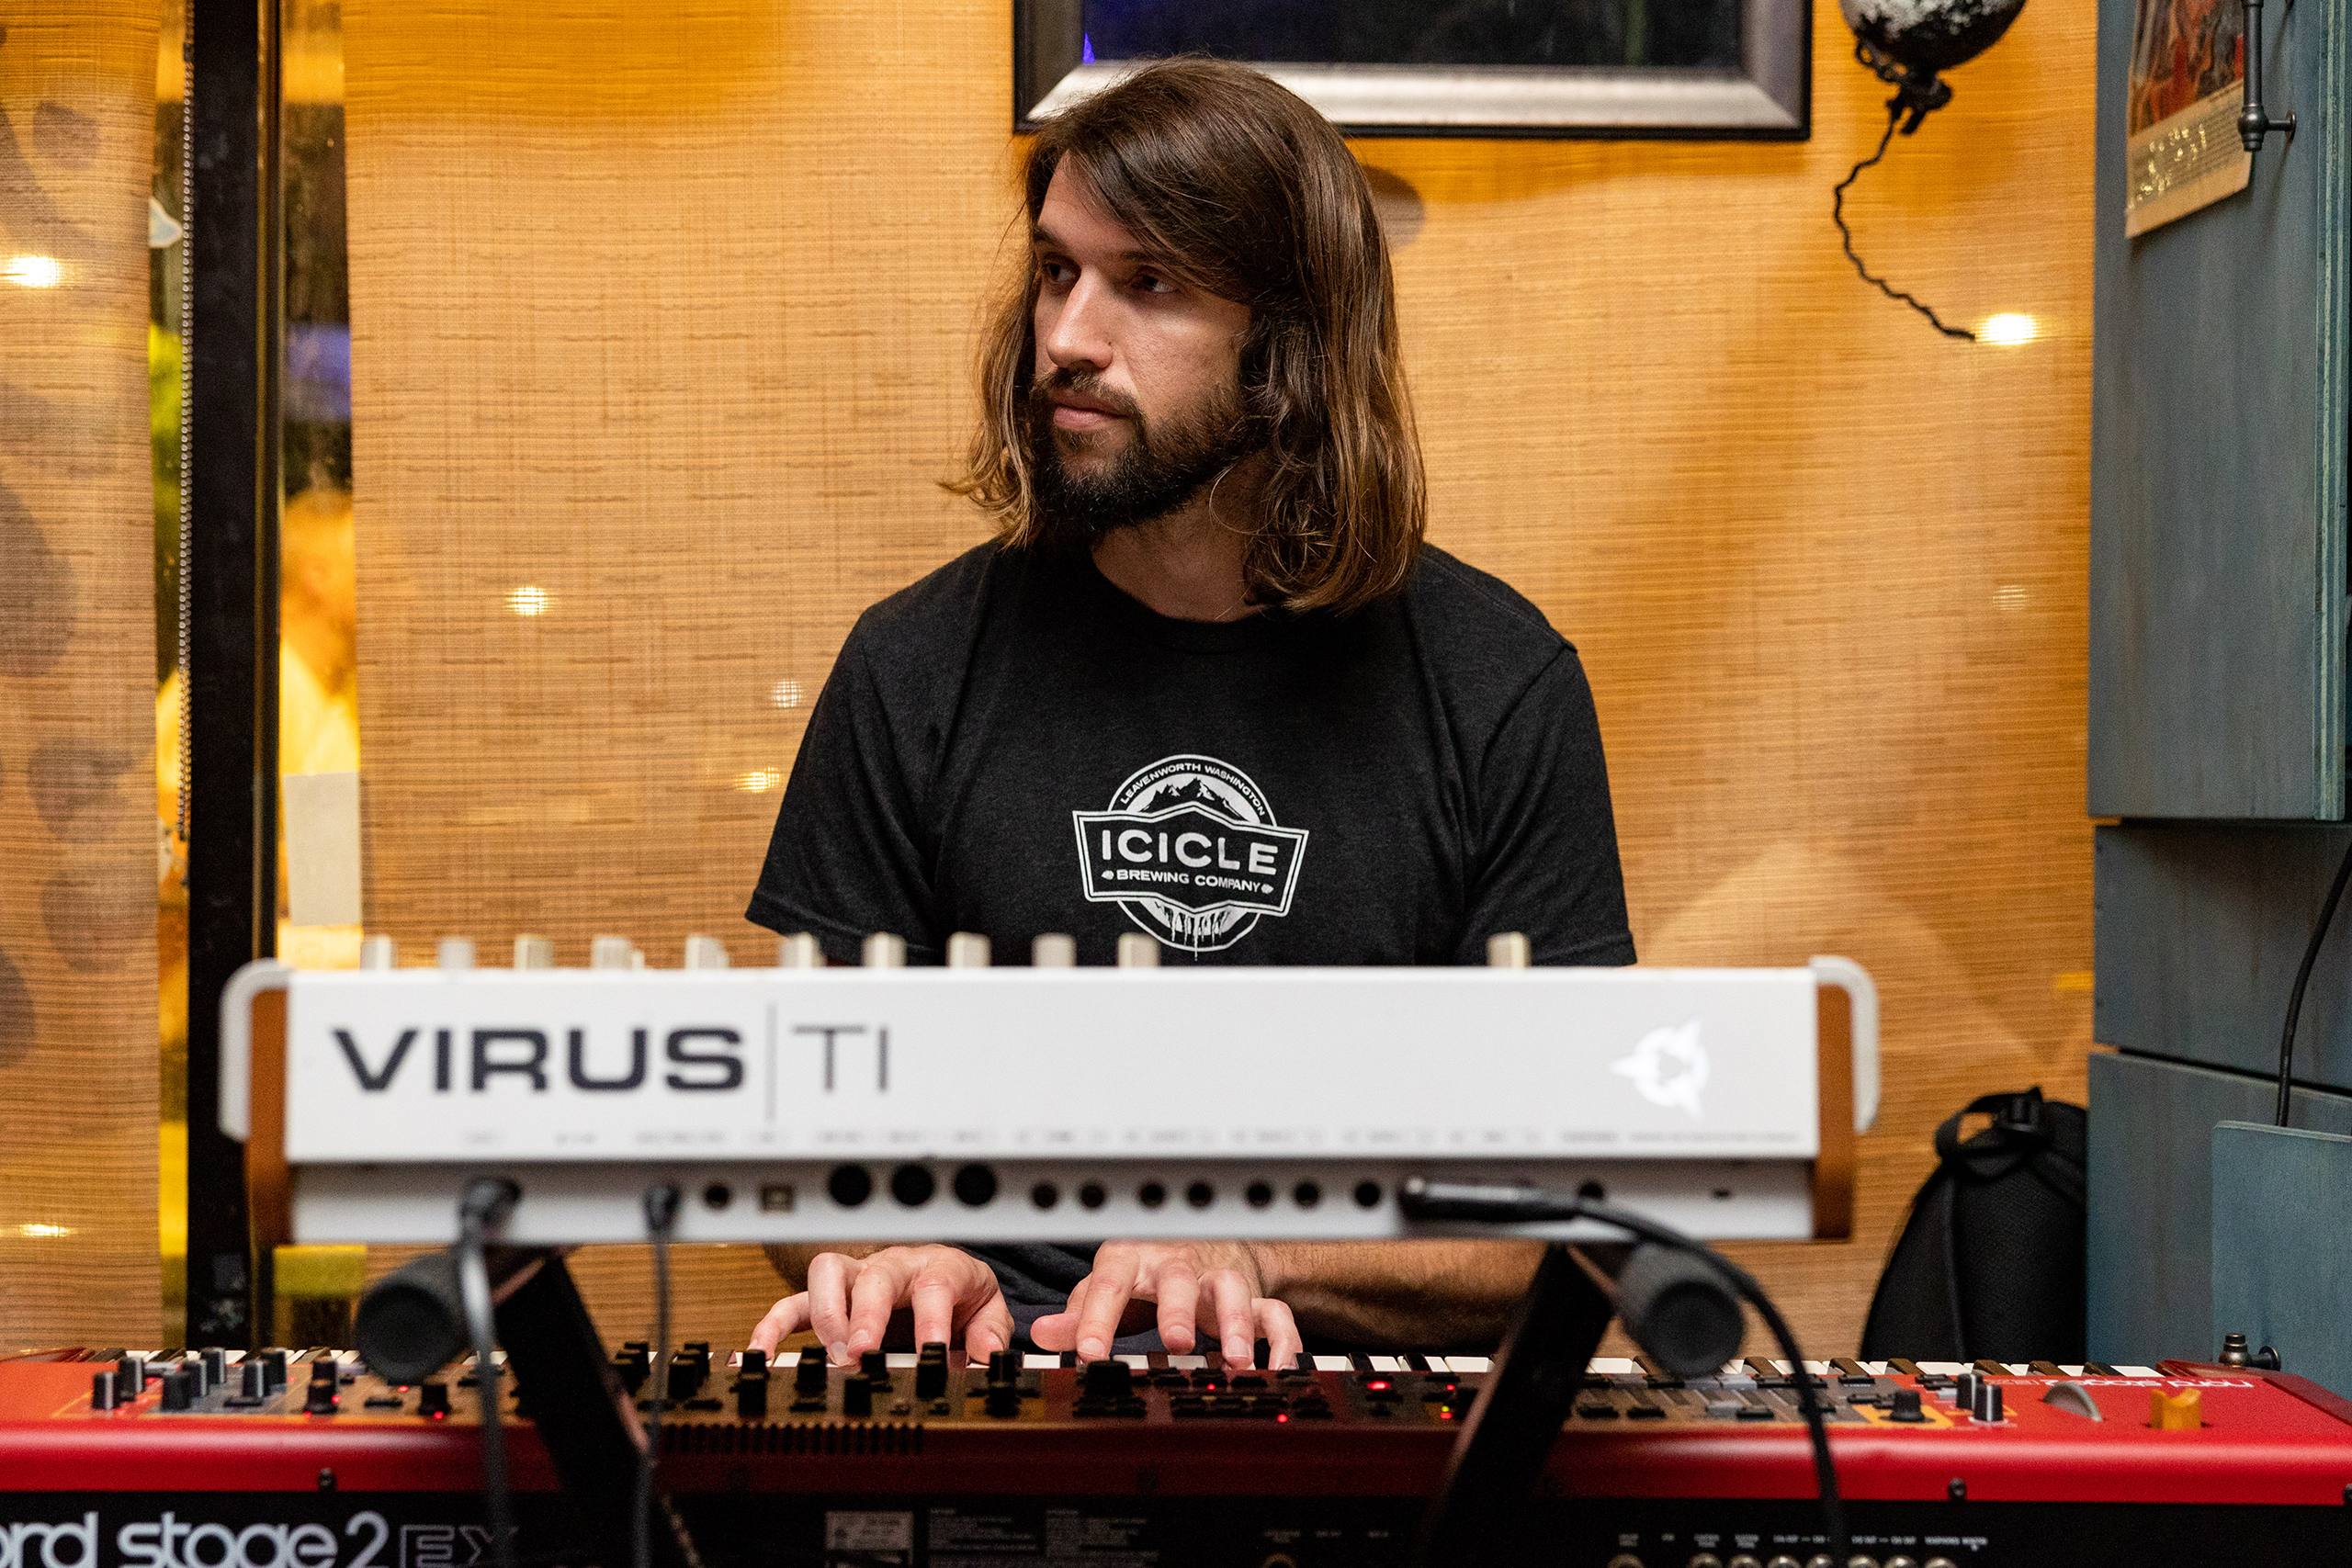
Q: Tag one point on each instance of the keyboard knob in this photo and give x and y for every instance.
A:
(930, 1372)
(808, 1377)
(432, 1401)
(533, 953)
(884, 951)
(379, 953)
(968, 950)
(799, 951)
(1137, 951)
(752, 1391)
(857, 1397)
(1508, 950)
(1053, 951)
(101, 1392)
(706, 953)
(253, 1383)
(176, 1389)
(453, 953)
(612, 952)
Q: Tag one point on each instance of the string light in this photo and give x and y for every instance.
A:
(35, 272)
(2009, 329)
(528, 601)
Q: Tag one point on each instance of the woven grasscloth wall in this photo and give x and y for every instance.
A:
(78, 1253)
(661, 323)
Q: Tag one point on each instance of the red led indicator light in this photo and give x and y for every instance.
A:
(1377, 1384)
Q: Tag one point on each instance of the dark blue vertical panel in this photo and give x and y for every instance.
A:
(2198, 932)
(2150, 1231)
(2219, 424)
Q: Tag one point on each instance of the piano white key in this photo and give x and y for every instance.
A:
(1876, 1369)
(2070, 1370)
(1322, 1363)
(1821, 1368)
(902, 1360)
(1140, 1363)
(1467, 1364)
(1194, 1363)
(1613, 1365)
(2020, 1369)
(1040, 1363)
(2138, 1372)
(1388, 1364)
(1944, 1368)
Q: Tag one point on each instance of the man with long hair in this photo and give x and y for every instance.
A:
(1208, 683)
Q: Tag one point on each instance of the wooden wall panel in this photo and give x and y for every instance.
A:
(666, 311)
(78, 1062)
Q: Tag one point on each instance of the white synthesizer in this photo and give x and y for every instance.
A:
(972, 1103)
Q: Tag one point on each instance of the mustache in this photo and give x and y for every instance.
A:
(1087, 384)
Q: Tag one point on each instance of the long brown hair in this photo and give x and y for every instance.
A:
(1252, 195)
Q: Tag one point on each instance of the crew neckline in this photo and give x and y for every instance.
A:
(1190, 637)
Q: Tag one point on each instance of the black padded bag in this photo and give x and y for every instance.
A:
(1990, 1262)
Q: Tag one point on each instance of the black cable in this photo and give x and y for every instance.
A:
(660, 1217)
(2302, 978)
(482, 1208)
(1518, 1205)
(1846, 235)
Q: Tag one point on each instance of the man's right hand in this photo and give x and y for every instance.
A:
(849, 1301)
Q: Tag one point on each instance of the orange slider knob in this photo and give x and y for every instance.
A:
(2182, 1412)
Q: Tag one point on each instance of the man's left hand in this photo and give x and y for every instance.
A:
(1212, 1285)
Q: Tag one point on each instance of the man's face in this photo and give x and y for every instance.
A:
(1135, 399)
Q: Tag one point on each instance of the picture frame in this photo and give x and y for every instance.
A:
(1767, 97)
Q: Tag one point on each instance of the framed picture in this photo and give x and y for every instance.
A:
(1715, 69)
(2180, 130)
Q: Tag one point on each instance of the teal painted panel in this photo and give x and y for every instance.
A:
(2282, 1276)
(2197, 930)
(2218, 453)
(2150, 1235)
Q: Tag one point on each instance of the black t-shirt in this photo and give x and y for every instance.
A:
(1013, 746)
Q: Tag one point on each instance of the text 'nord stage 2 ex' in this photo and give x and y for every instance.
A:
(805, 1104)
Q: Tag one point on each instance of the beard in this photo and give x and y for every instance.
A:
(1163, 466)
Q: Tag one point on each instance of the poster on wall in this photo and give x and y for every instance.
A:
(2181, 143)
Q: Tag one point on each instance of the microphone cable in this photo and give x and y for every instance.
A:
(2303, 978)
(483, 1208)
(660, 1219)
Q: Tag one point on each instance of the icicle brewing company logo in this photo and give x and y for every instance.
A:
(1191, 848)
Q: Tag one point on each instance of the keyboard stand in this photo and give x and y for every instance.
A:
(578, 1405)
(1480, 1511)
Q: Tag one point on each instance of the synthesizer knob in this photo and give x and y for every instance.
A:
(930, 1372)
(884, 951)
(633, 1363)
(130, 1376)
(706, 953)
(1137, 951)
(177, 1384)
(799, 951)
(453, 953)
(751, 1388)
(875, 1367)
(253, 1383)
(320, 1398)
(1508, 950)
(1964, 1389)
(808, 1377)
(968, 950)
(273, 1370)
(432, 1401)
(1107, 1379)
(755, 1363)
(533, 953)
(379, 953)
(1003, 1400)
(1988, 1406)
(613, 952)
(857, 1397)
(1004, 1367)
(102, 1390)
(1053, 951)
(1906, 1407)
(216, 1367)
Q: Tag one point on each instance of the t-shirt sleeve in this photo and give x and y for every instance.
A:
(849, 855)
(1544, 860)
